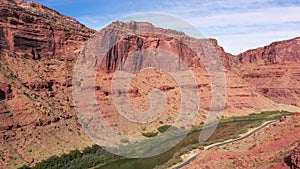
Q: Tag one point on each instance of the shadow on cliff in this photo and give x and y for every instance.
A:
(288, 162)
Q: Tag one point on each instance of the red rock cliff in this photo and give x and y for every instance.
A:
(273, 70)
(38, 47)
(139, 36)
(35, 31)
(275, 53)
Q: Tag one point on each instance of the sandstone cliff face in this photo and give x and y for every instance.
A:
(273, 70)
(276, 53)
(35, 31)
(144, 36)
(174, 42)
(37, 50)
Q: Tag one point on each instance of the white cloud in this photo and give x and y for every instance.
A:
(237, 43)
(95, 22)
(261, 16)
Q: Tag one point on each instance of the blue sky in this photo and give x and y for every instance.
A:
(238, 25)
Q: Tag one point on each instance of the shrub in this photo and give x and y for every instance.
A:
(150, 134)
(164, 128)
(24, 167)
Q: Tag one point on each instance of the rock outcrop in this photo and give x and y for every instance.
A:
(5, 91)
(38, 47)
(295, 158)
(145, 36)
(273, 70)
(35, 31)
(276, 53)
(141, 37)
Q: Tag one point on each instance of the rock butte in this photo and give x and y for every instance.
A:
(39, 47)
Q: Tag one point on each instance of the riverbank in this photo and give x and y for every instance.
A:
(191, 155)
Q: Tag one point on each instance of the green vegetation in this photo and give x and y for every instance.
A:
(150, 134)
(89, 157)
(24, 167)
(164, 128)
(95, 156)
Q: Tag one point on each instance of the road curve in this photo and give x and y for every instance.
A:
(224, 143)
